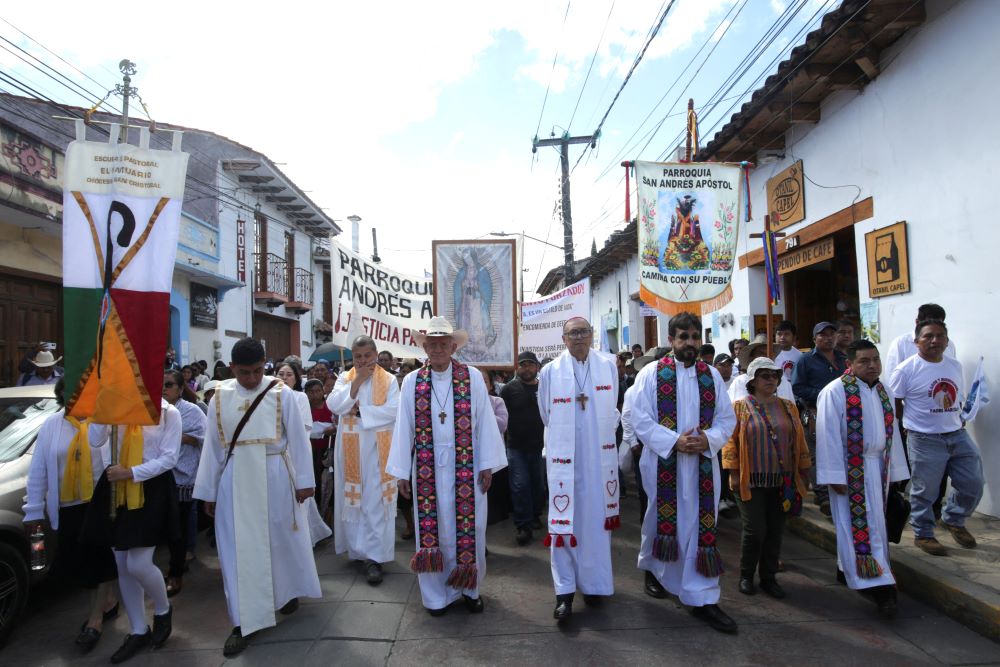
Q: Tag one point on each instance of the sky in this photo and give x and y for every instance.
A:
(419, 117)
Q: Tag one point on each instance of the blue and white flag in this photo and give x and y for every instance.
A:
(979, 394)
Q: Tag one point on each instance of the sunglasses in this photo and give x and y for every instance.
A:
(768, 375)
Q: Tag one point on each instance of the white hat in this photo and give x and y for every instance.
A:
(761, 364)
(44, 359)
(440, 327)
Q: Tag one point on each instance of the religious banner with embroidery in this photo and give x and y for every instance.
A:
(689, 217)
(121, 215)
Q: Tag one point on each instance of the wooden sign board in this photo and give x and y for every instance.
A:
(888, 261)
(786, 197)
(814, 253)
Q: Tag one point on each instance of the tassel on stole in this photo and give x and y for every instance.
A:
(867, 566)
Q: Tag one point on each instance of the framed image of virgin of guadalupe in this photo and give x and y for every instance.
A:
(474, 283)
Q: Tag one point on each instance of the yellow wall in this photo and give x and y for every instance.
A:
(30, 250)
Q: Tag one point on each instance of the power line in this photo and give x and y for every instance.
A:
(597, 48)
(552, 71)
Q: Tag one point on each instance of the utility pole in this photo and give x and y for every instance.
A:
(564, 142)
(127, 68)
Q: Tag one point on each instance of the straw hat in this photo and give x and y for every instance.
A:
(44, 359)
(744, 356)
(652, 354)
(440, 327)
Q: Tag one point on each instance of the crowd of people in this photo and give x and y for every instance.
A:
(265, 460)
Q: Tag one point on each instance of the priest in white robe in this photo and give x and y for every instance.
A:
(366, 399)
(876, 401)
(430, 458)
(577, 401)
(687, 563)
(255, 490)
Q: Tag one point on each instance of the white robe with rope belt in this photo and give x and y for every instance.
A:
(373, 534)
(680, 577)
(831, 468)
(287, 558)
(488, 454)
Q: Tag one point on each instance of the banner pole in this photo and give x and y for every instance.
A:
(114, 461)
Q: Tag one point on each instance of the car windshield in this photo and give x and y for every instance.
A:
(20, 419)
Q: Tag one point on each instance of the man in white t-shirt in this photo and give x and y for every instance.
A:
(931, 387)
(738, 386)
(904, 346)
(786, 337)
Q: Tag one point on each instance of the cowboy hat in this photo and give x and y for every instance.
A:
(652, 354)
(440, 327)
(744, 356)
(44, 359)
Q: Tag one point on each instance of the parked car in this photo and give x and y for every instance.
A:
(22, 411)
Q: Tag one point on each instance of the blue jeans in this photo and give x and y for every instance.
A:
(527, 485)
(932, 456)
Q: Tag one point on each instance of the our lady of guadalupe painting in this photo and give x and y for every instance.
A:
(474, 284)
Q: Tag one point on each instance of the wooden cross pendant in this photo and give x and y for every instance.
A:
(442, 416)
(245, 406)
(582, 399)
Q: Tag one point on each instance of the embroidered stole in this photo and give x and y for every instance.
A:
(428, 557)
(78, 478)
(865, 562)
(665, 546)
(561, 446)
(351, 442)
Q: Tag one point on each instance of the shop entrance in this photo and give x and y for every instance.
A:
(824, 291)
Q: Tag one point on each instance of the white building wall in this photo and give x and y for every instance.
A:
(919, 140)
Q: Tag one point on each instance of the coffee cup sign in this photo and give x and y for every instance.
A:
(786, 197)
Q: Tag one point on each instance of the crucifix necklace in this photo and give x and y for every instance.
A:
(441, 415)
(582, 397)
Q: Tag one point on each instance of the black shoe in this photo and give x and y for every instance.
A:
(235, 643)
(772, 588)
(841, 579)
(885, 599)
(290, 607)
(474, 605)
(653, 587)
(593, 600)
(88, 638)
(564, 607)
(747, 587)
(824, 508)
(132, 645)
(437, 612)
(373, 573)
(537, 524)
(715, 617)
(523, 535)
(163, 625)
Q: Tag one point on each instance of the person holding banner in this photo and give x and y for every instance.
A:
(445, 449)
(254, 476)
(681, 412)
(365, 399)
(578, 403)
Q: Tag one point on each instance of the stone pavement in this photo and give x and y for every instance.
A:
(965, 585)
(820, 623)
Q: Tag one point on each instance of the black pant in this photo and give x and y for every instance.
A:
(763, 525)
(643, 499)
(178, 547)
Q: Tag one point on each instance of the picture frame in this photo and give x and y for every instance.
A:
(474, 289)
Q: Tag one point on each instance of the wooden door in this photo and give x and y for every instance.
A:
(275, 333)
(30, 312)
(649, 333)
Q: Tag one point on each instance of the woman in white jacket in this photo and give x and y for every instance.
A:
(61, 481)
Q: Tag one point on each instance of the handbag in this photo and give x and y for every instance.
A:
(897, 511)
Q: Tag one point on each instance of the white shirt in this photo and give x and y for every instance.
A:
(161, 444)
(785, 360)
(904, 347)
(933, 394)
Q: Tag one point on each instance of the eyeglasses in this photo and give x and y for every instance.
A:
(169, 385)
(768, 375)
(578, 333)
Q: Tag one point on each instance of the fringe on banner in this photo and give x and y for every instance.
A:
(559, 540)
(427, 560)
(867, 566)
(665, 548)
(463, 577)
(709, 561)
(612, 522)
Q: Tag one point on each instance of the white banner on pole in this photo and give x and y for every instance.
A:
(391, 304)
(542, 321)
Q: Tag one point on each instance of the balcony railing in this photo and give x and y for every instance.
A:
(302, 292)
(270, 279)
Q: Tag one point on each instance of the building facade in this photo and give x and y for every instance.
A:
(251, 260)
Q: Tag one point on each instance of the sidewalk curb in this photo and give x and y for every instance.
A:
(974, 606)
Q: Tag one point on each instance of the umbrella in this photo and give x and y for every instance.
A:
(330, 352)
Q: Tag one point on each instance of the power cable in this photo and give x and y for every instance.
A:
(591, 68)
(552, 71)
